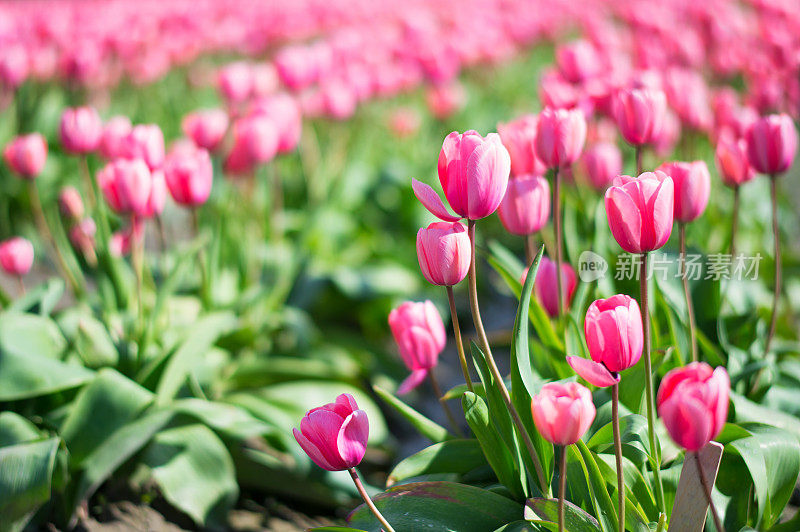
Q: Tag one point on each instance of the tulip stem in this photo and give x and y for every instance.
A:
(276, 200)
(639, 151)
(530, 249)
(21, 285)
(618, 451)
(707, 491)
(87, 182)
(559, 238)
(162, 235)
(201, 258)
(734, 222)
(371, 505)
(773, 181)
(562, 487)
(484, 342)
(687, 295)
(459, 342)
(137, 257)
(648, 378)
(437, 390)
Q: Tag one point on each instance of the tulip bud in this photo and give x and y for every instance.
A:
(255, 141)
(26, 155)
(640, 211)
(443, 250)
(578, 61)
(563, 412)
(546, 285)
(639, 113)
(206, 128)
(687, 93)
(120, 243)
(519, 138)
(284, 111)
(692, 184)
(71, 204)
(81, 129)
(145, 142)
(602, 162)
(693, 403)
(772, 144)
(189, 175)
(419, 333)
(334, 435)
(474, 171)
(732, 162)
(235, 82)
(526, 205)
(560, 136)
(81, 235)
(114, 137)
(16, 256)
(613, 329)
(126, 186)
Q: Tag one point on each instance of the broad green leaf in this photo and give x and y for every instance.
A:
(16, 429)
(104, 405)
(42, 299)
(30, 334)
(546, 510)
(228, 419)
(440, 506)
(334, 529)
(428, 428)
(194, 471)
(26, 471)
(452, 456)
(520, 526)
(633, 433)
(597, 486)
(747, 410)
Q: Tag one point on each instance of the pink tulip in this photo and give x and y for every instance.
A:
(16, 256)
(338, 100)
(206, 128)
(26, 155)
(525, 208)
(284, 110)
(664, 141)
(563, 412)
(158, 196)
(639, 113)
(546, 284)
(444, 100)
(235, 82)
(640, 211)
(772, 144)
(127, 185)
(255, 141)
(519, 138)
(692, 184)
(114, 138)
(578, 61)
(81, 235)
(602, 162)
(443, 250)
(560, 136)
(687, 94)
(473, 171)
(693, 403)
(613, 329)
(145, 142)
(335, 435)
(419, 333)
(81, 130)
(732, 162)
(14, 66)
(71, 203)
(189, 175)
(120, 243)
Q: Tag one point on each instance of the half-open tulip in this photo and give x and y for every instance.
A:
(115, 136)
(546, 284)
(206, 128)
(145, 142)
(126, 184)
(693, 403)
(334, 435)
(692, 187)
(189, 175)
(639, 113)
(26, 155)
(563, 412)
(419, 333)
(526, 205)
(560, 136)
(16, 256)
(772, 144)
(443, 251)
(640, 211)
(80, 130)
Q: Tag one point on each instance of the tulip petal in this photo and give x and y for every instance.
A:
(412, 381)
(352, 439)
(688, 422)
(431, 200)
(593, 372)
(312, 451)
(321, 427)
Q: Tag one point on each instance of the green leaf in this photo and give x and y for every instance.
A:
(452, 456)
(440, 506)
(428, 428)
(747, 410)
(199, 340)
(16, 429)
(633, 433)
(546, 510)
(30, 334)
(334, 529)
(227, 419)
(194, 471)
(498, 454)
(520, 526)
(26, 471)
(42, 299)
(607, 514)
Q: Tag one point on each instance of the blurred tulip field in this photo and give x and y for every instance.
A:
(463, 266)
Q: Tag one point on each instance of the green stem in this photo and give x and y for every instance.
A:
(638, 149)
(562, 487)
(773, 321)
(618, 451)
(686, 293)
(734, 222)
(459, 342)
(201, 258)
(371, 505)
(437, 390)
(559, 238)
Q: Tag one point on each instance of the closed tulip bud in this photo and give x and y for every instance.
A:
(70, 203)
(443, 250)
(640, 211)
(206, 128)
(114, 137)
(692, 184)
(255, 141)
(334, 435)
(732, 162)
(602, 162)
(81, 235)
(473, 171)
(519, 138)
(613, 329)
(119, 245)
(145, 142)
(578, 61)
(526, 205)
(189, 175)
(563, 412)
(546, 285)
(81, 129)
(284, 111)
(26, 155)
(126, 185)
(772, 144)
(158, 196)
(16, 256)
(639, 113)
(560, 136)
(235, 82)
(419, 333)
(693, 404)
